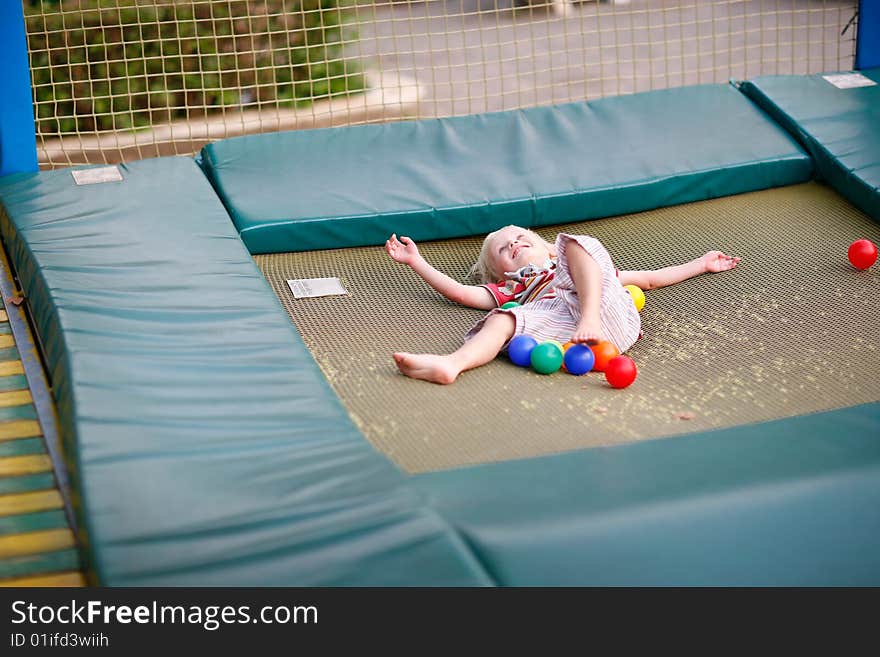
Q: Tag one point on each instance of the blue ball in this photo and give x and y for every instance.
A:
(579, 359)
(519, 349)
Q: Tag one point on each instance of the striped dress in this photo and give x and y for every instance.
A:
(550, 308)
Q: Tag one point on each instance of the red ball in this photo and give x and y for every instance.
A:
(862, 254)
(621, 371)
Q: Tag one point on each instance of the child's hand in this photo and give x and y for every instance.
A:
(715, 261)
(402, 250)
(588, 332)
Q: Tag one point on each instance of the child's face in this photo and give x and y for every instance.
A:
(513, 247)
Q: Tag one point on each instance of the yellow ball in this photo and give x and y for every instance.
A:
(637, 295)
(558, 345)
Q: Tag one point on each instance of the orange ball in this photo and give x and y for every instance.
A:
(604, 351)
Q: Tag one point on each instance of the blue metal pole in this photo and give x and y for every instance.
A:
(868, 44)
(18, 143)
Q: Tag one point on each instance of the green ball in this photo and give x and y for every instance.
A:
(509, 304)
(546, 357)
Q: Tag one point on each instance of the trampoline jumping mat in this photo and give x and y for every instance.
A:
(792, 330)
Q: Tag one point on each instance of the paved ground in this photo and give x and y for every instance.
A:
(470, 57)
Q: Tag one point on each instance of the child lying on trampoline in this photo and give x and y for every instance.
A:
(567, 291)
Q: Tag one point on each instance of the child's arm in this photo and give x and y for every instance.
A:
(405, 251)
(587, 278)
(713, 261)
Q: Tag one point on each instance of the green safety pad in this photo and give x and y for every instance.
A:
(205, 447)
(840, 127)
(451, 177)
(785, 503)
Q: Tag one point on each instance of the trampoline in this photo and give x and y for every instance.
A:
(219, 433)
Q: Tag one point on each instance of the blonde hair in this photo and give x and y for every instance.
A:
(482, 271)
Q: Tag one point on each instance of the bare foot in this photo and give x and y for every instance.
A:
(428, 367)
(588, 332)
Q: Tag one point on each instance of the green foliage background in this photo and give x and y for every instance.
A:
(121, 64)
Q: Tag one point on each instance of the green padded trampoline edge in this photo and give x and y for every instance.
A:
(828, 166)
(454, 208)
(760, 504)
(532, 212)
(385, 512)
